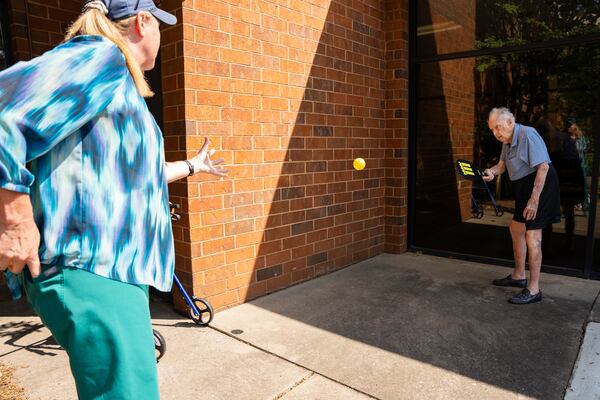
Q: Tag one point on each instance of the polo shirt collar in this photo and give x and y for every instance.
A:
(514, 138)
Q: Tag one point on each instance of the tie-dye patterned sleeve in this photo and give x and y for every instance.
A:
(46, 99)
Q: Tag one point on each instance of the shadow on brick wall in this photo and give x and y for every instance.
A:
(325, 215)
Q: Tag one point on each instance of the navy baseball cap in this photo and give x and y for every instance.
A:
(119, 9)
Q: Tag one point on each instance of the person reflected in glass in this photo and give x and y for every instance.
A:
(582, 144)
(570, 175)
(535, 185)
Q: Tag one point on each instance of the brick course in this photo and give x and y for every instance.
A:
(396, 113)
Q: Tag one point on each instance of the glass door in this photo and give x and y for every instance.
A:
(470, 57)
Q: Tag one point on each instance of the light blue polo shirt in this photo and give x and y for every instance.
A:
(526, 151)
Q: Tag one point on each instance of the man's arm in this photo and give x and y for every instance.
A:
(497, 169)
(538, 185)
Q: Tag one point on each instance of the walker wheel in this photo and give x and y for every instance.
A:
(205, 309)
(499, 212)
(477, 212)
(160, 345)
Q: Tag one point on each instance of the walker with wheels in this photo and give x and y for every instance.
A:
(199, 309)
(467, 171)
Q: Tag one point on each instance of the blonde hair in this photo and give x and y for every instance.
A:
(93, 22)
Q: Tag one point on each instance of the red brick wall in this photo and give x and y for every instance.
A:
(289, 94)
(396, 112)
(37, 26)
(18, 30)
(175, 131)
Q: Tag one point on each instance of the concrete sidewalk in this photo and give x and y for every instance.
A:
(392, 327)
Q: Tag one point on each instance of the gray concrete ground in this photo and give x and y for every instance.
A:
(392, 327)
(585, 381)
(586, 374)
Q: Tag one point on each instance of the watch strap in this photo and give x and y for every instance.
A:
(190, 166)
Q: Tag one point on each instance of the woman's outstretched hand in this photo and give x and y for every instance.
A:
(202, 161)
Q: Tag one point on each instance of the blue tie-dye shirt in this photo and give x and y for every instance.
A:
(97, 170)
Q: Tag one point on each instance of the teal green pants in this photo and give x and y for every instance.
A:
(104, 325)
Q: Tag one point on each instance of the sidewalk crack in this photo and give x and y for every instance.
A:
(312, 372)
(295, 385)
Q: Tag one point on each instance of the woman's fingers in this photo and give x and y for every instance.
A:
(208, 165)
(33, 263)
(16, 266)
(204, 149)
(204, 153)
(13, 264)
(220, 171)
(4, 263)
(19, 246)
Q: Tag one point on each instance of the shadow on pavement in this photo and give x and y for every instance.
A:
(17, 335)
(436, 311)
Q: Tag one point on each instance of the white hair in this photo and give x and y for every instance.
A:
(503, 116)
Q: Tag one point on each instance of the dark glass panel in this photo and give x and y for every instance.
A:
(556, 91)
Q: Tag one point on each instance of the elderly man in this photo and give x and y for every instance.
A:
(537, 203)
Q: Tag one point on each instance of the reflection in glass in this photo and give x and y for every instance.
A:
(596, 260)
(556, 91)
(463, 25)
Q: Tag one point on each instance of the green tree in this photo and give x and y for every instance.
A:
(525, 75)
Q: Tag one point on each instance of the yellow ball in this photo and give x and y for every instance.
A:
(359, 164)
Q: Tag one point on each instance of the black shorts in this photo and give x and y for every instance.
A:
(549, 205)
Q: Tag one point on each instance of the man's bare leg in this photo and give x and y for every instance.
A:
(534, 248)
(517, 233)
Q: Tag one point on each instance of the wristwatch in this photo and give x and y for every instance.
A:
(190, 166)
